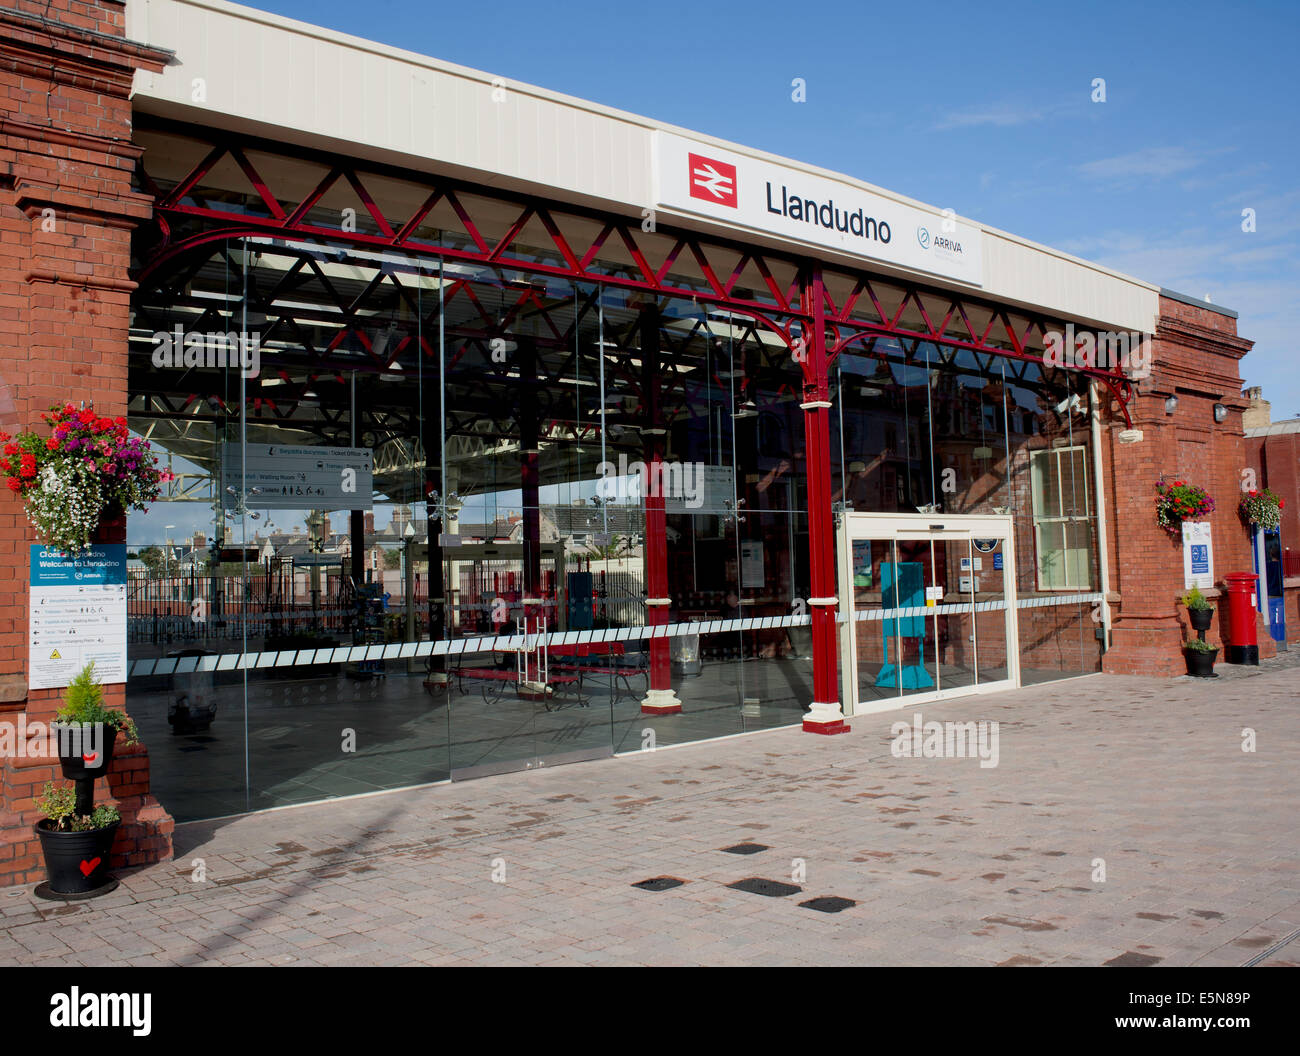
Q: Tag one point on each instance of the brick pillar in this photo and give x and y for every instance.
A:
(1196, 356)
(67, 211)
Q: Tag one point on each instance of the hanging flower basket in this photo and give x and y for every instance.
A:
(1179, 502)
(89, 467)
(1262, 509)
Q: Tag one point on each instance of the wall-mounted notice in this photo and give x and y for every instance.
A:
(1198, 555)
(751, 564)
(282, 477)
(78, 614)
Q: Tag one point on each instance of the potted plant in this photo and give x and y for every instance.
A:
(76, 836)
(1200, 656)
(1178, 502)
(87, 470)
(1262, 509)
(76, 845)
(86, 731)
(1199, 610)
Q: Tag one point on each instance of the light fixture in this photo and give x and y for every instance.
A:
(1220, 412)
(1130, 436)
(1171, 405)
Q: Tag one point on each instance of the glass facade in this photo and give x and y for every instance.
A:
(426, 520)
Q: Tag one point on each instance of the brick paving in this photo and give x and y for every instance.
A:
(947, 862)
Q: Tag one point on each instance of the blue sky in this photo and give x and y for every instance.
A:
(983, 108)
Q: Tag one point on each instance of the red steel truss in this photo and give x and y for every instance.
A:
(946, 318)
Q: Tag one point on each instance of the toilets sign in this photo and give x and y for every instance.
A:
(743, 191)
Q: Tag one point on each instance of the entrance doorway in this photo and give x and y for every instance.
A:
(927, 608)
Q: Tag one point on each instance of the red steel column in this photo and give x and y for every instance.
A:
(825, 715)
(660, 698)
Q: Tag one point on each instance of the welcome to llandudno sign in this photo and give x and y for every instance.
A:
(759, 195)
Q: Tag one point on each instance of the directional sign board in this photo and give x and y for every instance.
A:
(78, 614)
(279, 477)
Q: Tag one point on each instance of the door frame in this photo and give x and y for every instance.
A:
(938, 527)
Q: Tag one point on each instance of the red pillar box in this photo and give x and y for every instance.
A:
(1243, 646)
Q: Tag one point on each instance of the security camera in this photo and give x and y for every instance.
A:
(1069, 404)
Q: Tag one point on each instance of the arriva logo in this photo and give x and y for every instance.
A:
(923, 236)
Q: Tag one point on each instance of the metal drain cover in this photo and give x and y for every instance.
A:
(828, 904)
(745, 848)
(659, 883)
(771, 888)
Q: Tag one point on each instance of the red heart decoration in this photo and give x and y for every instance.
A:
(89, 867)
(91, 757)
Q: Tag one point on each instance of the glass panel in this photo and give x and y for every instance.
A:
(960, 581)
(990, 610)
(878, 592)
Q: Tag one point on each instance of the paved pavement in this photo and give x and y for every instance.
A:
(946, 862)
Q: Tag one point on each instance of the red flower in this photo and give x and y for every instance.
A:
(13, 484)
(52, 444)
(1281, 504)
(86, 417)
(11, 449)
(28, 471)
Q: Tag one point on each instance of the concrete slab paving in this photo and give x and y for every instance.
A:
(1123, 823)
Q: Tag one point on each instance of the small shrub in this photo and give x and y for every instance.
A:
(83, 705)
(60, 806)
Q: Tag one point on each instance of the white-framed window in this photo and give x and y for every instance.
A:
(1062, 518)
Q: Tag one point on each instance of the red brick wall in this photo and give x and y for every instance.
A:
(66, 215)
(1196, 357)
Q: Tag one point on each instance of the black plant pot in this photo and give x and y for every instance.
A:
(80, 762)
(76, 863)
(1201, 618)
(1200, 664)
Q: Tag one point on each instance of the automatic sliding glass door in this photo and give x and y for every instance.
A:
(924, 608)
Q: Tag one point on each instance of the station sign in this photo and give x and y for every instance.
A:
(765, 196)
(282, 477)
(78, 614)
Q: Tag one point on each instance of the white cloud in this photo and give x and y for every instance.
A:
(1150, 163)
